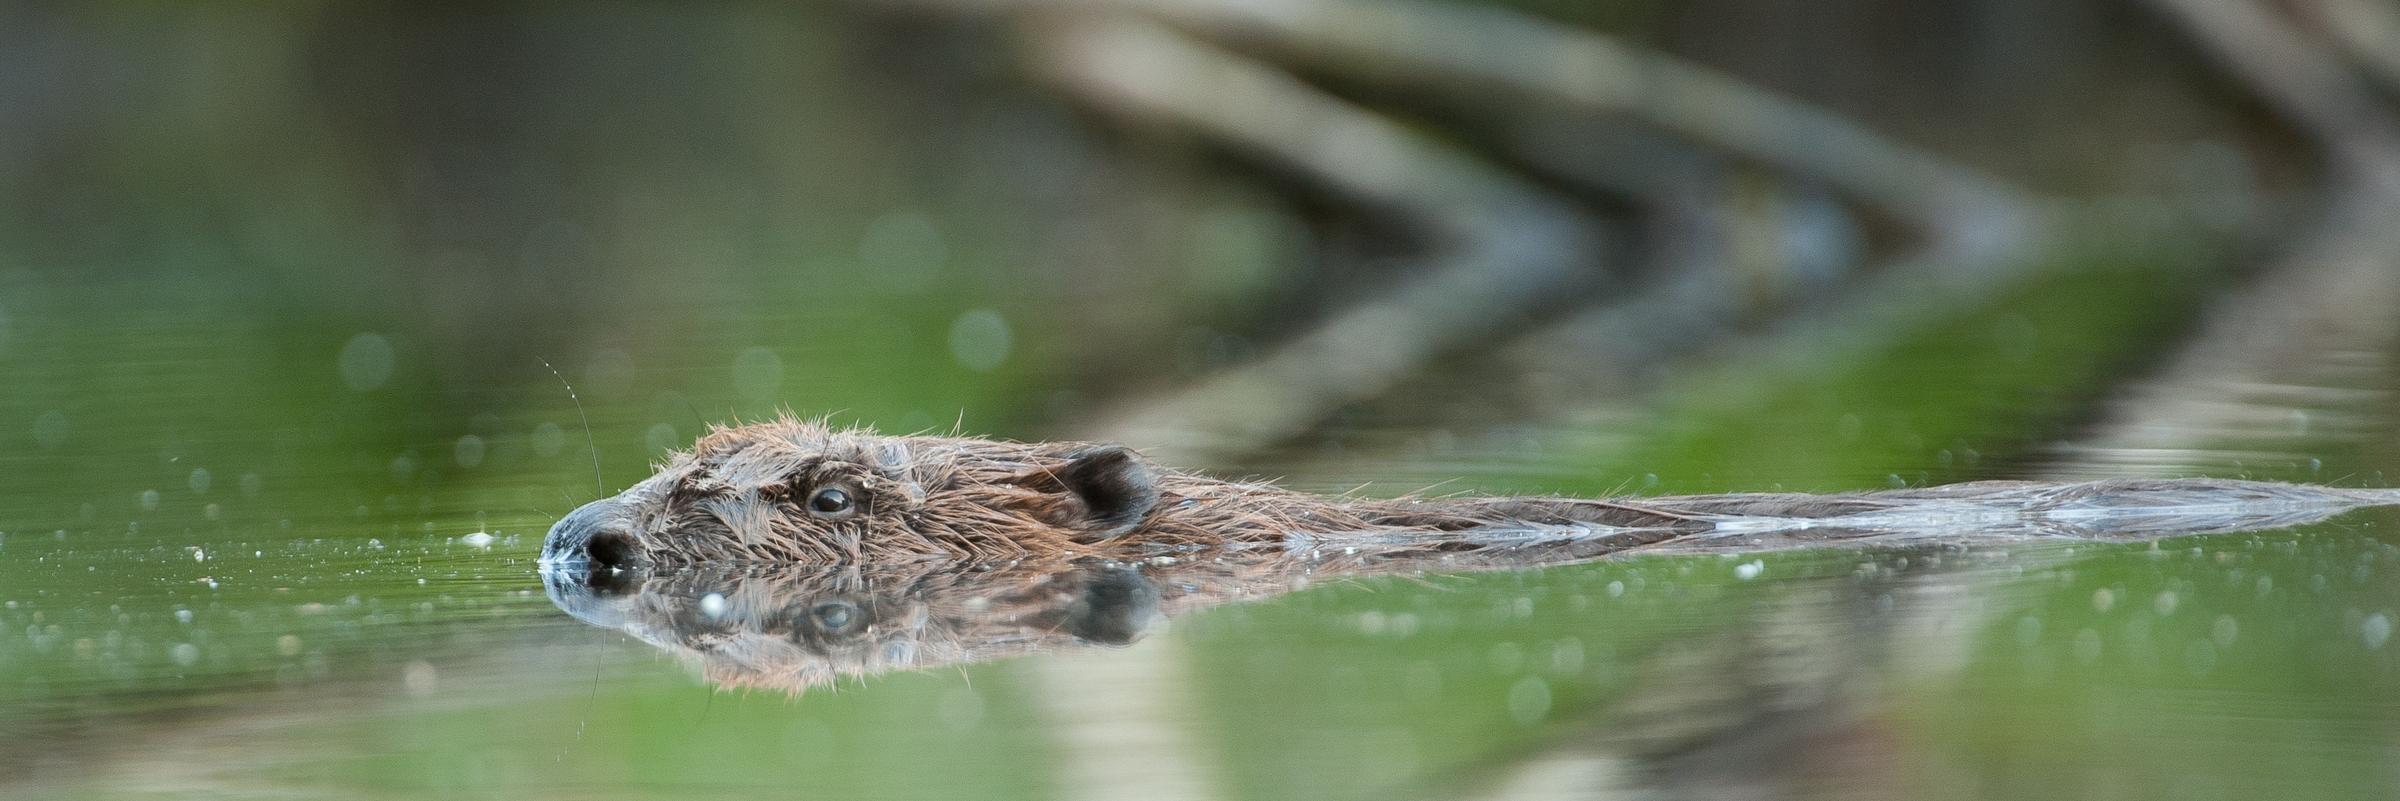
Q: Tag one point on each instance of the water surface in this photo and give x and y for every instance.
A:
(368, 655)
(243, 561)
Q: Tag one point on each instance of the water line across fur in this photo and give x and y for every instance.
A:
(797, 491)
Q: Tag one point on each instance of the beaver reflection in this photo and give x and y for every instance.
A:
(792, 626)
(793, 629)
(796, 626)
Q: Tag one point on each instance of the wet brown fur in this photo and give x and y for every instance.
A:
(763, 593)
(739, 496)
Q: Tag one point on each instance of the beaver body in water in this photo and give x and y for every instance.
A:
(794, 491)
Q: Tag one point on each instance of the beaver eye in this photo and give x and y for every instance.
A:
(829, 501)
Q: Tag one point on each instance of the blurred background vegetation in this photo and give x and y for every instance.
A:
(1243, 236)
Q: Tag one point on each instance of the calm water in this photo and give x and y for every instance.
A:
(243, 562)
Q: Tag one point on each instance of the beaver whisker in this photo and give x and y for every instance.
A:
(592, 444)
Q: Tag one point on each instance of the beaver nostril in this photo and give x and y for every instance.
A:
(612, 550)
(595, 537)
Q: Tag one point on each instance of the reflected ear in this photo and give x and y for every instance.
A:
(1117, 608)
(1117, 489)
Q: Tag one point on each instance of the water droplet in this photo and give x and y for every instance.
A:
(2165, 603)
(1616, 589)
(419, 678)
(478, 539)
(661, 438)
(1507, 658)
(2103, 600)
(757, 374)
(609, 372)
(50, 430)
(1566, 657)
(903, 249)
(2375, 630)
(366, 362)
(2087, 647)
(200, 481)
(1749, 570)
(149, 500)
(980, 340)
(712, 605)
(1529, 700)
(2200, 657)
(2225, 631)
(549, 440)
(184, 654)
(468, 451)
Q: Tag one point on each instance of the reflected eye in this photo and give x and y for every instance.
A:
(834, 616)
(829, 501)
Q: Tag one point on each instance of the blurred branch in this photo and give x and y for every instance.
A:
(2292, 345)
(2276, 349)
(1420, 44)
(2370, 29)
(2306, 80)
(1142, 70)
(1119, 737)
(1795, 696)
(1474, 48)
(1510, 240)
(1505, 246)
(2283, 363)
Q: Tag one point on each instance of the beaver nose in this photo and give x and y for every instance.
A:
(592, 537)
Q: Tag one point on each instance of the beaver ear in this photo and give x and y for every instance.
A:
(1116, 487)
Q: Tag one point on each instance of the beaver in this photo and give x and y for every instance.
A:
(802, 491)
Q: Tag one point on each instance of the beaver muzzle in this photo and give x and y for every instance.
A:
(597, 536)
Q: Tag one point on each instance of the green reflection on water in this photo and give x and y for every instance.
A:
(345, 637)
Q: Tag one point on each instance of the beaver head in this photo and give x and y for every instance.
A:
(802, 491)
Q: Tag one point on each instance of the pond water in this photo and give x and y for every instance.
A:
(243, 561)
